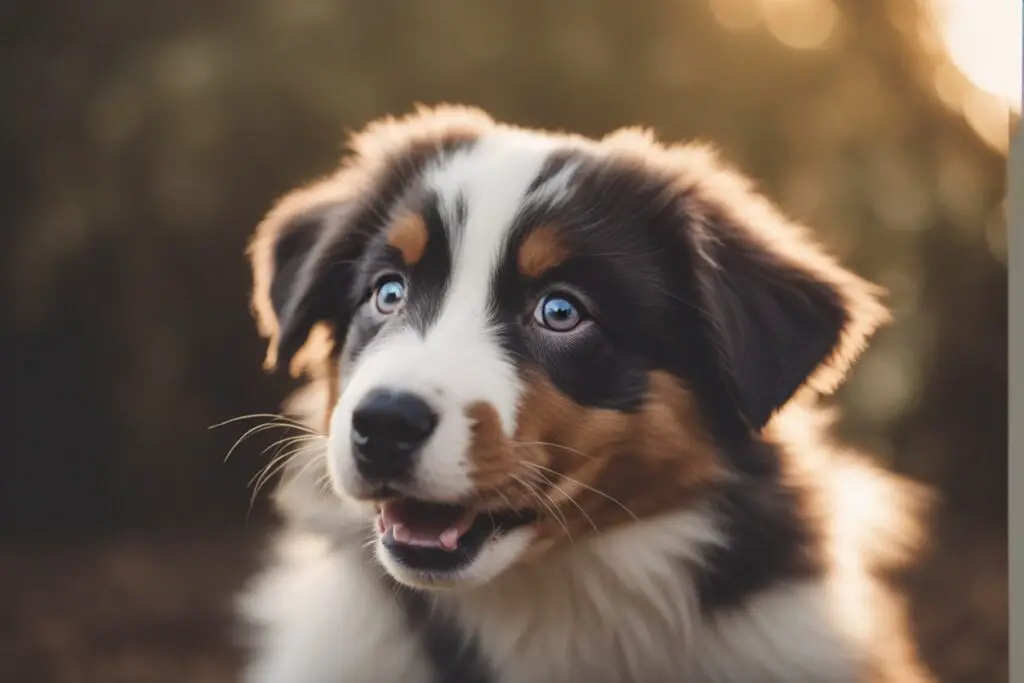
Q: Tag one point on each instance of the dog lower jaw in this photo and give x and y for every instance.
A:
(435, 546)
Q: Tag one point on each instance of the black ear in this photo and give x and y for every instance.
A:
(304, 251)
(300, 257)
(780, 312)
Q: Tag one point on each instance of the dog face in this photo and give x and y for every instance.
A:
(532, 338)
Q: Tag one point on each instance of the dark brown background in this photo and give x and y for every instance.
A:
(141, 141)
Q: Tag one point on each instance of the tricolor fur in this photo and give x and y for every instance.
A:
(613, 348)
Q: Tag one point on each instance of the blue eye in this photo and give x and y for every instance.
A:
(558, 313)
(389, 296)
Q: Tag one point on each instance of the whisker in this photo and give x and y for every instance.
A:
(551, 445)
(263, 474)
(586, 486)
(323, 484)
(273, 467)
(504, 498)
(272, 416)
(548, 504)
(311, 463)
(255, 430)
(568, 497)
(287, 441)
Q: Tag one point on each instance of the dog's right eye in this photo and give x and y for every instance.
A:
(559, 313)
(389, 294)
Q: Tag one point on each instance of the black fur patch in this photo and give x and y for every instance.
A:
(591, 368)
(771, 531)
(431, 277)
(316, 269)
(427, 280)
(455, 657)
(661, 305)
(772, 323)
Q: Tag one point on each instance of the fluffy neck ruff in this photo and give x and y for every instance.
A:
(628, 604)
(626, 596)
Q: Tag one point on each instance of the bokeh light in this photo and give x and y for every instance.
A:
(983, 38)
(801, 24)
(981, 79)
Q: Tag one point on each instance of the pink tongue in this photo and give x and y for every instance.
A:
(426, 525)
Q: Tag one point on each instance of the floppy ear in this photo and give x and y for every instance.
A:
(303, 250)
(301, 279)
(781, 313)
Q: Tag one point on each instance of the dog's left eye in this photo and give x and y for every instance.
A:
(389, 295)
(559, 313)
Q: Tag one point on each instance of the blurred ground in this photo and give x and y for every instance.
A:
(137, 610)
(130, 610)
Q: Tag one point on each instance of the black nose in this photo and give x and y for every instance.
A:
(387, 429)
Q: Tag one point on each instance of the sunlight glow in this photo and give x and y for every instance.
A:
(981, 79)
(983, 38)
(736, 15)
(801, 24)
(974, 45)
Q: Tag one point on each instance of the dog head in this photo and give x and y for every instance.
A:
(535, 336)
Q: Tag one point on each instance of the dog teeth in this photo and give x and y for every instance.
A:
(401, 533)
(450, 538)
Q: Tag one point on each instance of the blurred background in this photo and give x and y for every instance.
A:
(142, 141)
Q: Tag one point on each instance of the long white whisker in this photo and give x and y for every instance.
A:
(551, 445)
(312, 462)
(563, 492)
(253, 431)
(589, 488)
(302, 438)
(548, 504)
(289, 440)
(273, 467)
(271, 416)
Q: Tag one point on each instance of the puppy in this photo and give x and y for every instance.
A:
(562, 423)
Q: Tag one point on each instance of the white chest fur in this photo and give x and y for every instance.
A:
(618, 608)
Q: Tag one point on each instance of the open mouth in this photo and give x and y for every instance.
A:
(440, 537)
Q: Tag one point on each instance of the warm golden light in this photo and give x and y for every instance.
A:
(798, 24)
(983, 38)
(801, 24)
(736, 15)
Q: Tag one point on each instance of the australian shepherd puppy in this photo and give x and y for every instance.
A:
(561, 426)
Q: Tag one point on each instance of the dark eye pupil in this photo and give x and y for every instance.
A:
(559, 309)
(558, 313)
(389, 295)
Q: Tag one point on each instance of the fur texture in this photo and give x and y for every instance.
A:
(618, 346)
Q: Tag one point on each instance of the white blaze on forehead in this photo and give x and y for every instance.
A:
(491, 180)
(556, 188)
(459, 360)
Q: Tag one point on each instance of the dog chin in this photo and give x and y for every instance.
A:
(441, 546)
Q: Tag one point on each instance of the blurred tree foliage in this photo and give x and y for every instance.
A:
(143, 140)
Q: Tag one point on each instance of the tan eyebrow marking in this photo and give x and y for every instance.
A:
(541, 251)
(409, 236)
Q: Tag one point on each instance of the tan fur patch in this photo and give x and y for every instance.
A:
(409, 235)
(588, 469)
(312, 355)
(541, 251)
